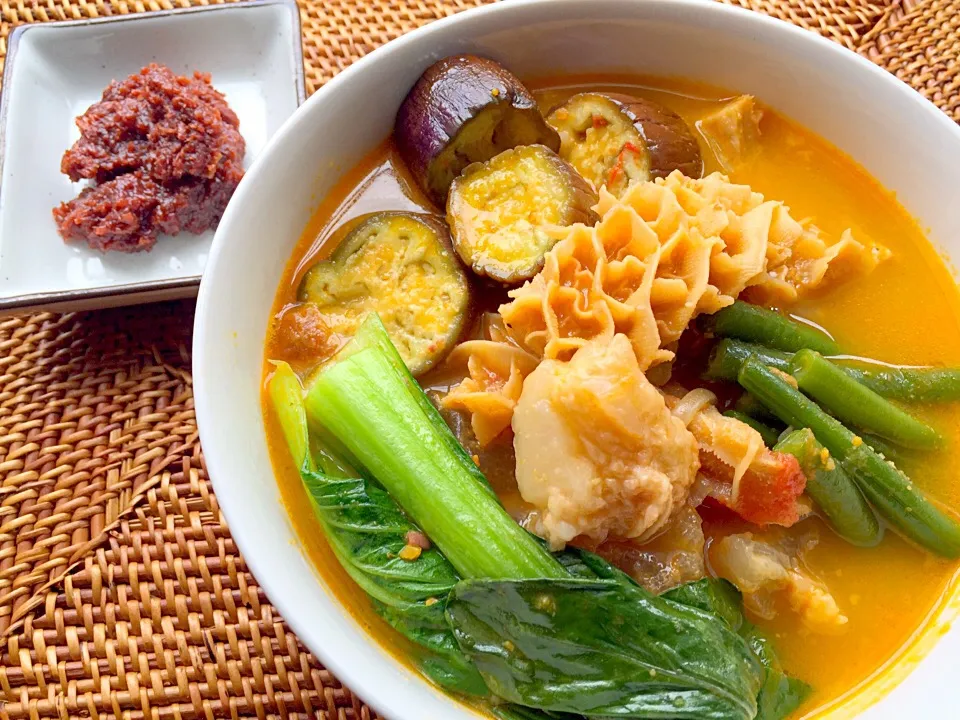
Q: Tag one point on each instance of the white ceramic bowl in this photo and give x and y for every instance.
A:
(903, 140)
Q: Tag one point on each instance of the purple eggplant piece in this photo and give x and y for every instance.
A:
(465, 109)
(401, 265)
(618, 140)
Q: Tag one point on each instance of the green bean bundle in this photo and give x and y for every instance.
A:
(891, 492)
(913, 384)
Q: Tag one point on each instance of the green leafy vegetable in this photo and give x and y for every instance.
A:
(372, 334)
(381, 415)
(366, 530)
(779, 694)
(603, 647)
(717, 597)
(518, 712)
(286, 398)
(560, 637)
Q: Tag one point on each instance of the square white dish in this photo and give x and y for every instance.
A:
(55, 71)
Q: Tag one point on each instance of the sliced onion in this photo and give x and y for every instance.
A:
(693, 402)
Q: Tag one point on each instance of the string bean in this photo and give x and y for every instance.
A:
(752, 323)
(842, 503)
(768, 434)
(891, 492)
(749, 405)
(882, 447)
(857, 404)
(913, 384)
(728, 356)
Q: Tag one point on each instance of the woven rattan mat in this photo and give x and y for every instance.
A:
(121, 591)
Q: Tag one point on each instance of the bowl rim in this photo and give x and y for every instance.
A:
(259, 563)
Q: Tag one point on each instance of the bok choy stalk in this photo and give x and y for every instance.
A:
(286, 399)
(367, 532)
(370, 402)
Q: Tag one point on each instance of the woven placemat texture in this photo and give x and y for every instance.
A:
(845, 21)
(920, 44)
(92, 411)
(164, 621)
(122, 593)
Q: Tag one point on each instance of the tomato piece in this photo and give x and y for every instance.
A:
(767, 495)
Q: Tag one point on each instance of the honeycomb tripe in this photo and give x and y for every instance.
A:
(762, 246)
(596, 282)
(491, 389)
(666, 251)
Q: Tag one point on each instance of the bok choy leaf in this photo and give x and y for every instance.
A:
(518, 712)
(779, 694)
(367, 531)
(603, 648)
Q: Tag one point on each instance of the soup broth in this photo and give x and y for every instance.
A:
(906, 311)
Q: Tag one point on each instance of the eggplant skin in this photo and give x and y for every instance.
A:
(465, 109)
(618, 140)
(499, 210)
(401, 265)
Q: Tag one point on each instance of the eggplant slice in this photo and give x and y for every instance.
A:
(498, 211)
(402, 266)
(465, 109)
(620, 140)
